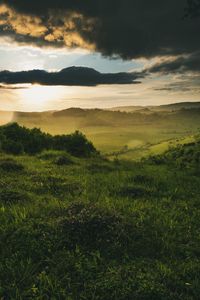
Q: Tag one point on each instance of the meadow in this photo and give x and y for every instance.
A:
(128, 135)
(75, 227)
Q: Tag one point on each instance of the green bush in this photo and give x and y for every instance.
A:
(16, 139)
(12, 147)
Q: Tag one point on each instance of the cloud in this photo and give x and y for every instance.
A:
(180, 64)
(181, 83)
(193, 8)
(72, 76)
(125, 28)
(8, 87)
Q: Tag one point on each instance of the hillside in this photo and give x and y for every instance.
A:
(165, 107)
(89, 228)
(112, 131)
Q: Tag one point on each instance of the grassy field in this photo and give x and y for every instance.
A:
(114, 131)
(99, 229)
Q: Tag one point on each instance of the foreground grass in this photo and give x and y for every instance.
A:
(93, 229)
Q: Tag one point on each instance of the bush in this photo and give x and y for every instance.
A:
(10, 166)
(76, 144)
(16, 139)
(12, 147)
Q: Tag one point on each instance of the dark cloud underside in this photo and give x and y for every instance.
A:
(126, 28)
(182, 64)
(73, 76)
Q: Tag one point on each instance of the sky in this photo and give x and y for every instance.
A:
(98, 53)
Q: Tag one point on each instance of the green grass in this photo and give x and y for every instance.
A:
(98, 229)
(114, 131)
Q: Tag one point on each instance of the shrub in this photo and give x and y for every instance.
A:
(76, 144)
(16, 139)
(12, 147)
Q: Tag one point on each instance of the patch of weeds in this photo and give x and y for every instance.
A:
(95, 228)
(10, 165)
(13, 196)
(57, 186)
(143, 179)
(100, 168)
(64, 160)
(50, 154)
(134, 192)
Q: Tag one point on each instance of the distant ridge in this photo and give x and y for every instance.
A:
(164, 107)
(133, 108)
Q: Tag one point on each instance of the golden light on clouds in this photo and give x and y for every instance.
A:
(57, 29)
(20, 23)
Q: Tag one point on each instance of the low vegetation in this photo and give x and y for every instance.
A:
(78, 227)
(126, 132)
(15, 139)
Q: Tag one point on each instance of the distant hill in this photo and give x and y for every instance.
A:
(166, 107)
(71, 119)
(113, 130)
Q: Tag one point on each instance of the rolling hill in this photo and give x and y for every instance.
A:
(165, 107)
(114, 130)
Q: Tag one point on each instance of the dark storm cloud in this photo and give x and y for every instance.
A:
(125, 28)
(182, 64)
(73, 76)
(193, 8)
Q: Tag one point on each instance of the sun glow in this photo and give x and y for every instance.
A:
(5, 117)
(38, 97)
